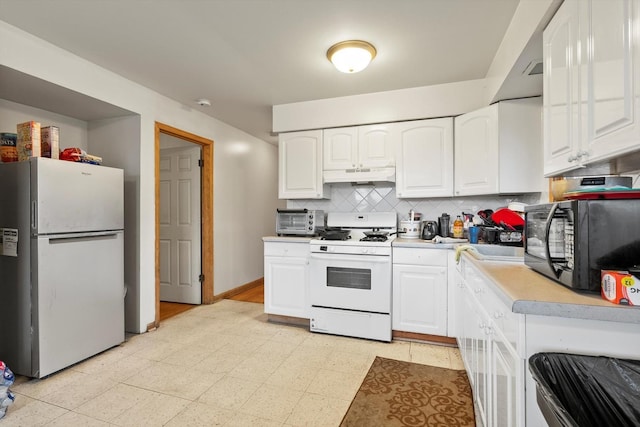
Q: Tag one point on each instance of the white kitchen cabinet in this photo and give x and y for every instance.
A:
(355, 149)
(507, 377)
(420, 290)
(424, 158)
(564, 110)
(613, 77)
(286, 277)
(340, 148)
(300, 166)
(591, 83)
(489, 350)
(498, 149)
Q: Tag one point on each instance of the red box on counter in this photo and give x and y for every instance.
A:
(620, 287)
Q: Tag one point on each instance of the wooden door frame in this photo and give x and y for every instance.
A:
(206, 215)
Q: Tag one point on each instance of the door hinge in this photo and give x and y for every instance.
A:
(201, 278)
(200, 162)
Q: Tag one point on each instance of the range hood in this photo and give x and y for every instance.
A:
(360, 175)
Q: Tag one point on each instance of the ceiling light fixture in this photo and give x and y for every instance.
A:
(203, 102)
(351, 56)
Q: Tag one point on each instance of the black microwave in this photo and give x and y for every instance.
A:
(572, 241)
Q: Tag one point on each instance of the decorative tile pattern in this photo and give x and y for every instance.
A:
(381, 197)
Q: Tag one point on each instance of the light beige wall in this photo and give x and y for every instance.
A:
(81, 76)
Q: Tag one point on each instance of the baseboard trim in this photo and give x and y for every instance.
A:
(414, 336)
(240, 289)
(289, 320)
(152, 326)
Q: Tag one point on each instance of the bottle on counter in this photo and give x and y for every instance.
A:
(458, 228)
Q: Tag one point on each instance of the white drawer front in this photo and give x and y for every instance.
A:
(286, 249)
(420, 256)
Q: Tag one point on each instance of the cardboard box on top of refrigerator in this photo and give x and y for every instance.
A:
(620, 287)
(50, 141)
(28, 143)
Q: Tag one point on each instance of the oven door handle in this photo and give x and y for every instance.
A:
(378, 259)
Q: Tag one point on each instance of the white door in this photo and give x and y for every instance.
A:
(285, 286)
(613, 78)
(79, 281)
(300, 165)
(420, 299)
(476, 152)
(351, 282)
(424, 158)
(180, 242)
(376, 148)
(340, 148)
(561, 91)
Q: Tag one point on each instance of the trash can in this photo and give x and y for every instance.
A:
(574, 390)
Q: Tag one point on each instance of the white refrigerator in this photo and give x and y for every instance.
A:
(61, 263)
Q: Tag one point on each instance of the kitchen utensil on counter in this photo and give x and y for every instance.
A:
(473, 234)
(507, 216)
(458, 228)
(490, 234)
(443, 224)
(334, 234)
(414, 216)
(410, 229)
(429, 230)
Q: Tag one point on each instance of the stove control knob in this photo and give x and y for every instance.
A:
(365, 250)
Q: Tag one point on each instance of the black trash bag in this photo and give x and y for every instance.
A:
(582, 391)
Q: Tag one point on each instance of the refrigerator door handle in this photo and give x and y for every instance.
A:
(34, 215)
(61, 238)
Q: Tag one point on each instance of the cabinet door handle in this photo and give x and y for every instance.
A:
(582, 154)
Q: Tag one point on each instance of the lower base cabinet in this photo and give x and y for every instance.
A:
(420, 291)
(286, 274)
(495, 368)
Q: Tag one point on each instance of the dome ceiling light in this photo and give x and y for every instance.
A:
(351, 56)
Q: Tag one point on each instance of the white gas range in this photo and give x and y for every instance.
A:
(350, 269)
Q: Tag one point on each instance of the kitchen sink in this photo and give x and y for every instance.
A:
(498, 253)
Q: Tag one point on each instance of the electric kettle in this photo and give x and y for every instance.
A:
(429, 230)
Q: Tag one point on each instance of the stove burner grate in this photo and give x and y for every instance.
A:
(374, 239)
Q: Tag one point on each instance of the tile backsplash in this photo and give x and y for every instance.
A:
(381, 197)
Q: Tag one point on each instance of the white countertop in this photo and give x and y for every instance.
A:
(290, 239)
(522, 289)
(419, 243)
(529, 292)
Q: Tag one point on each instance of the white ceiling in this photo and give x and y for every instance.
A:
(248, 55)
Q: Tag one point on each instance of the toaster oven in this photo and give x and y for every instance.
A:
(299, 222)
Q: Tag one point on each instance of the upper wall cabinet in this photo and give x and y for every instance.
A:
(424, 158)
(352, 153)
(613, 77)
(300, 166)
(591, 81)
(498, 149)
(563, 109)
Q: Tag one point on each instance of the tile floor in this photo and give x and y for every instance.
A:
(216, 365)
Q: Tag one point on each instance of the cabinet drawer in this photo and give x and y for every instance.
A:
(420, 256)
(286, 249)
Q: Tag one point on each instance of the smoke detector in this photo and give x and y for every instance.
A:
(203, 102)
